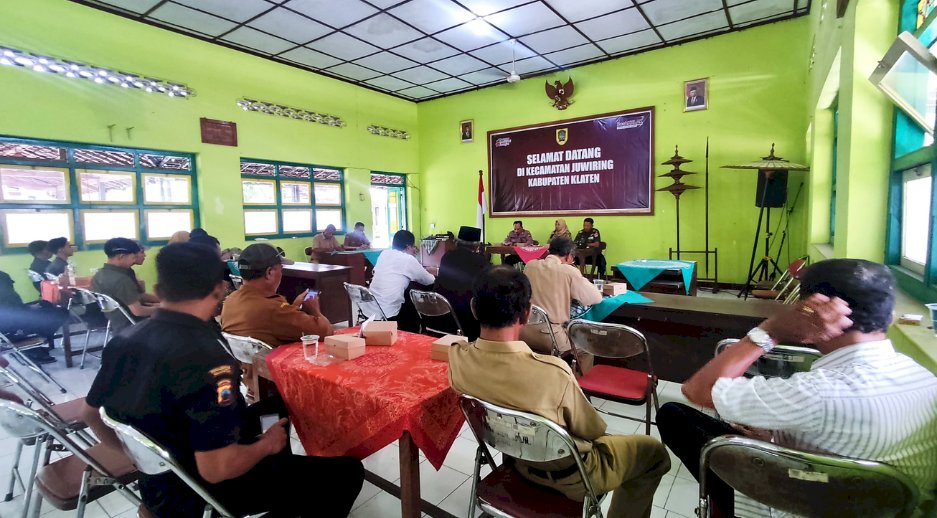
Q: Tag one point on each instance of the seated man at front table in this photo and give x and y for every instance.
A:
(590, 237)
(61, 250)
(357, 240)
(258, 311)
(171, 378)
(396, 268)
(324, 243)
(500, 369)
(40, 251)
(116, 279)
(861, 399)
(556, 283)
(518, 236)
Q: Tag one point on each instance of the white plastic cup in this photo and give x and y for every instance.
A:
(599, 283)
(310, 347)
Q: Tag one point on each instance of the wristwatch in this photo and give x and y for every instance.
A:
(762, 339)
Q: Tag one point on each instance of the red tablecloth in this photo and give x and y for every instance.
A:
(357, 407)
(529, 253)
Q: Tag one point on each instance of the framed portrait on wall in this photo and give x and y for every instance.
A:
(467, 130)
(695, 95)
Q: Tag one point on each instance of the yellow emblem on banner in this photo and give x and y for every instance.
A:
(562, 135)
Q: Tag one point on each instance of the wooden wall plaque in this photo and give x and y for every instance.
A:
(223, 133)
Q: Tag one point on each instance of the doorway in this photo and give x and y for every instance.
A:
(388, 212)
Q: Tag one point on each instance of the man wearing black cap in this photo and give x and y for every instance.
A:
(258, 311)
(117, 279)
(171, 378)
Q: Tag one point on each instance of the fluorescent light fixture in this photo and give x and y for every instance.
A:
(388, 132)
(252, 105)
(75, 70)
(479, 27)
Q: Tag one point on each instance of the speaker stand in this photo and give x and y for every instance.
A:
(767, 266)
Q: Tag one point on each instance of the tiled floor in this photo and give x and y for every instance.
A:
(448, 488)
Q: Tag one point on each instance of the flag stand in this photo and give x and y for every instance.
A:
(481, 205)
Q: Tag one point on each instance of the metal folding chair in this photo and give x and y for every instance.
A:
(540, 320)
(16, 349)
(73, 481)
(152, 459)
(432, 304)
(237, 281)
(527, 437)
(82, 298)
(365, 302)
(109, 304)
(619, 384)
(782, 362)
(789, 280)
(805, 484)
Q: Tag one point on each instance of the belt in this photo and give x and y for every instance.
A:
(553, 475)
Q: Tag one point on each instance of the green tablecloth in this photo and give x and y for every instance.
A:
(602, 310)
(642, 271)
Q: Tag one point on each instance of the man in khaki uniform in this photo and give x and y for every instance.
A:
(324, 243)
(258, 311)
(502, 370)
(556, 283)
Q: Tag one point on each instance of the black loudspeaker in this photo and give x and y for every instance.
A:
(772, 191)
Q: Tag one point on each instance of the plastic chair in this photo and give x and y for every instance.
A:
(805, 484)
(73, 481)
(109, 304)
(540, 319)
(152, 459)
(432, 304)
(623, 385)
(528, 437)
(365, 302)
(782, 362)
(16, 349)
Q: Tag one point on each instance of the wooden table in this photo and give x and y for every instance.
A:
(682, 332)
(584, 253)
(668, 281)
(432, 259)
(328, 279)
(360, 267)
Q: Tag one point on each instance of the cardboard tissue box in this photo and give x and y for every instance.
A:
(380, 332)
(347, 347)
(615, 288)
(441, 347)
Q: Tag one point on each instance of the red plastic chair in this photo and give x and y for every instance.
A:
(619, 384)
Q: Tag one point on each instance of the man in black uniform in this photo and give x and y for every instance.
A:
(171, 378)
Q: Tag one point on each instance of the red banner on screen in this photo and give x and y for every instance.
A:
(599, 165)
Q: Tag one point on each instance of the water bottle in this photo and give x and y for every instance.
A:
(70, 272)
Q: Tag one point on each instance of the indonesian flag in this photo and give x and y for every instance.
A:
(482, 207)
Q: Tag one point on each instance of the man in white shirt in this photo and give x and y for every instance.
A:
(861, 399)
(396, 268)
(556, 283)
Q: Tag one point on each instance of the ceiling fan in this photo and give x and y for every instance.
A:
(513, 77)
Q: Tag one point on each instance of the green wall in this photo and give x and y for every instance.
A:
(757, 97)
(53, 107)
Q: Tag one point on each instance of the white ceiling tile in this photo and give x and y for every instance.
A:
(694, 26)
(472, 35)
(417, 92)
(503, 52)
(386, 62)
(525, 19)
(420, 75)
(353, 71)
(615, 24)
(582, 9)
(761, 9)
(527, 66)
(289, 25)
(388, 83)
(384, 4)
(450, 85)
(630, 42)
(576, 54)
(554, 39)
(486, 76)
(310, 58)
(327, 12)
(384, 31)
(425, 50)
(486, 7)
(664, 11)
(458, 65)
(250, 38)
(239, 11)
(432, 15)
(342, 46)
(136, 6)
(185, 17)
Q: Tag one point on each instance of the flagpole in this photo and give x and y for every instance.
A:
(482, 204)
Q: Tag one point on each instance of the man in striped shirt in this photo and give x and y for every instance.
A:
(860, 400)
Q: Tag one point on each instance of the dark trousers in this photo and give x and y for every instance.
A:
(600, 270)
(41, 318)
(408, 319)
(512, 259)
(685, 430)
(283, 485)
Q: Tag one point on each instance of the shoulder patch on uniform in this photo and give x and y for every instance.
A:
(225, 390)
(221, 370)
